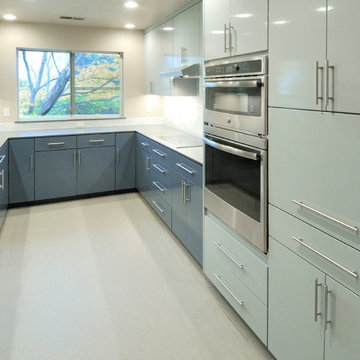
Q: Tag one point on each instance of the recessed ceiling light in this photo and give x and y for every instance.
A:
(129, 26)
(280, 22)
(131, 4)
(9, 17)
(244, 16)
(168, 28)
(217, 32)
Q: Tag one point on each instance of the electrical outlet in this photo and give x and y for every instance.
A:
(6, 112)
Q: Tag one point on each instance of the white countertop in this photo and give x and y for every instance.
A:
(153, 131)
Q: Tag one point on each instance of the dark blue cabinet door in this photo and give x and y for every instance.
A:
(55, 174)
(194, 207)
(3, 182)
(96, 170)
(21, 170)
(125, 161)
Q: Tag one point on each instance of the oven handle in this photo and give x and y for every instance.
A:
(233, 83)
(231, 150)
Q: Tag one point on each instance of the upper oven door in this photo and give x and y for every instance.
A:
(237, 103)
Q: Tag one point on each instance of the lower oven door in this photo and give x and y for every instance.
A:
(236, 188)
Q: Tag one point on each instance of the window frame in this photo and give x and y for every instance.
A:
(71, 117)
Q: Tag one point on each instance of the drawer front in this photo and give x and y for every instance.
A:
(244, 264)
(330, 255)
(161, 188)
(311, 172)
(188, 168)
(144, 142)
(245, 303)
(162, 153)
(160, 169)
(162, 208)
(55, 143)
(85, 141)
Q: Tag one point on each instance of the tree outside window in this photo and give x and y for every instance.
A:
(64, 84)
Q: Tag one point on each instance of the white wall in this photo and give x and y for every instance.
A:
(77, 38)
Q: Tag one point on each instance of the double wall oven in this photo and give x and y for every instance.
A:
(235, 137)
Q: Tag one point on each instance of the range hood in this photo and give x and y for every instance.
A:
(183, 72)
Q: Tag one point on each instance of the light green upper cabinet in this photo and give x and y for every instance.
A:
(234, 27)
(187, 36)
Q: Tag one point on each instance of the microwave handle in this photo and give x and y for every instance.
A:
(233, 82)
(231, 150)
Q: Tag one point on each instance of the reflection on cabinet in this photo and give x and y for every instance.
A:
(125, 161)
(21, 170)
(316, 73)
(234, 27)
(4, 200)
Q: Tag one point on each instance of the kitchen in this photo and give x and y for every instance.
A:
(299, 293)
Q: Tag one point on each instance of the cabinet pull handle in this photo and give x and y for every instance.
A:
(2, 186)
(328, 97)
(160, 153)
(225, 39)
(316, 312)
(301, 242)
(157, 205)
(240, 302)
(157, 167)
(2, 157)
(117, 155)
(74, 158)
(94, 141)
(326, 307)
(353, 228)
(186, 186)
(79, 157)
(218, 245)
(317, 83)
(56, 143)
(32, 162)
(158, 186)
(231, 47)
(148, 158)
(144, 144)
(182, 166)
(183, 191)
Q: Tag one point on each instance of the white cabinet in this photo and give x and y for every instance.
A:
(313, 55)
(187, 36)
(153, 61)
(234, 27)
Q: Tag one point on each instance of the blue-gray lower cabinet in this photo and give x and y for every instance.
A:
(3, 182)
(21, 170)
(143, 172)
(55, 174)
(95, 170)
(187, 211)
(125, 161)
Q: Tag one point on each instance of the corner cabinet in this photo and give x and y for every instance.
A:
(125, 161)
(234, 27)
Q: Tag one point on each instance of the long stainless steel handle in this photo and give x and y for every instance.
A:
(186, 193)
(159, 168)
(218, 245)
(2, 186)
(353, 228)
(94, 141)
(328, 97)
(232, 150)
(157, 205)
(225, 38)
(2, 157)
(145, 144)
(234, 83)
(156, 151)
(182, 166)
(56, 143)
(316, 312)
(79, 158)
(240, 302)
(231, 47)
(158, 186)
(32, 163)
(148, 158)
(317, 83)
(352, 273)
(117, 155)
(74, 158)
(183, 190)
(326, 307)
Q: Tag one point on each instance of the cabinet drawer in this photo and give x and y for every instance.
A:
(85, 141)
(162, 208)
(223, 247)
(188, 168)
(160, 169)
(55, 143)
(162, 188)
(245, 303)
(338, 260)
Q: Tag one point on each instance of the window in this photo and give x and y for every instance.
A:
(66, 85)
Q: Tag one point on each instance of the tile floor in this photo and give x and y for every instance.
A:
(103, 278)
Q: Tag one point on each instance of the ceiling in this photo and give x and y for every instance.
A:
(97, 13)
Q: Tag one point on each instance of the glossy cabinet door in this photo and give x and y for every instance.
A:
(216, 15)
(143, 171)
(313, 160)
(125, 161)
(153, 62)
(249, 20)
(297, 39)
(95, 170)
(293, 332)
(187, 36)
(167, 38)
(342, 334)
(4, 185)
(343, 51)
(21, 170)
(55, 174)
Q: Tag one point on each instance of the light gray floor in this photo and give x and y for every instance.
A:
(104, 279)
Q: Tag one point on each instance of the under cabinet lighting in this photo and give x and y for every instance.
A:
(129, 26)
(131, 4)
(9, 17)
